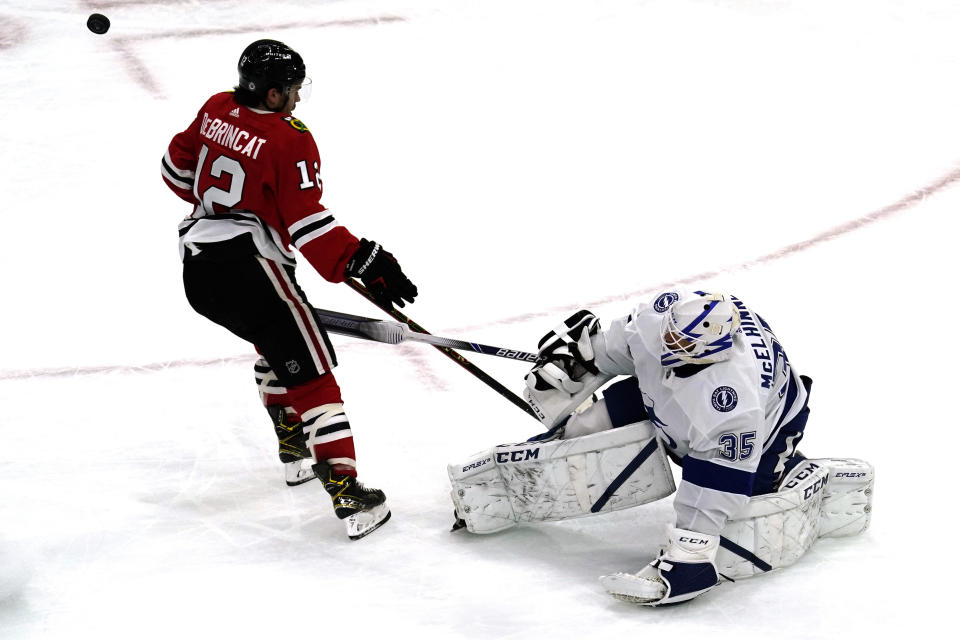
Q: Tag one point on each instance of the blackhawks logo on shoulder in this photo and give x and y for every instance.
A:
(296, 124)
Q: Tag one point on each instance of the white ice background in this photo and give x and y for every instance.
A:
(522, 159)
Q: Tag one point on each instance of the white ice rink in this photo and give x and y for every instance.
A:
(522, 159)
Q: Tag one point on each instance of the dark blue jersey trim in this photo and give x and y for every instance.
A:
(717, 477)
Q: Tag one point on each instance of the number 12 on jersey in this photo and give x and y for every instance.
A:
(231, 196)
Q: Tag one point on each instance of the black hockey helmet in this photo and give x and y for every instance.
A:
(270, 64)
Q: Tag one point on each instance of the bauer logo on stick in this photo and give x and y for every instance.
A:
(98, 23)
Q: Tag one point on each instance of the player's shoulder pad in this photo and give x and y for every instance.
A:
(296, 124)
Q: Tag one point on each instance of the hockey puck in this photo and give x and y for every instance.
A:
(98, 23)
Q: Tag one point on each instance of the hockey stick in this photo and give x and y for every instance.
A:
(396, 332)
(447, 351)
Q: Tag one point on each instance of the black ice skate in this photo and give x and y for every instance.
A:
(363, 510)
(293, 447)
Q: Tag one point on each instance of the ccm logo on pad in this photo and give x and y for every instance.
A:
(518, 456)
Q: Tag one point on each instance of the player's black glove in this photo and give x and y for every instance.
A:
(381, 274)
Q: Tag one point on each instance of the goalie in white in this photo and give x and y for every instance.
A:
(711, 376)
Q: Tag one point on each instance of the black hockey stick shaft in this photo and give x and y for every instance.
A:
(397, 332)
(476, 371)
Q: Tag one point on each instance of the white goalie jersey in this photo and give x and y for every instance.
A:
(733, 422)
(719, 418)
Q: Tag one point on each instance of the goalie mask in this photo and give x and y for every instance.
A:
(699, 329)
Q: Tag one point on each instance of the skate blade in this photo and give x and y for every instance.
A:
(299, 481)
(295, 474)
(363, 523)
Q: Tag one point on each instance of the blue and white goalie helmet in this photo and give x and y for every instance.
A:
(699, 329)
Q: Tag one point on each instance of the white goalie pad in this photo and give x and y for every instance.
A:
(775, 529)
(560, 479)
(848, 498)
(820, 498)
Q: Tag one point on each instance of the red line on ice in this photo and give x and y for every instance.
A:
(830, 234)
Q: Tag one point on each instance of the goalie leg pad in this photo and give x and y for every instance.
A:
(560, 479)
(775, 529)
(825, 497)
(847, 500)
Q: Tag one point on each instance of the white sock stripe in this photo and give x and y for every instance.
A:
(329, 437)
(318, 413)
(328, 429)
(272, 389)
(268, 383)
(326, 424)
(311, 335)
(349, 462)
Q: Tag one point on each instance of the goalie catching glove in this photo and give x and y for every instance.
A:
(684, 570)
(381, 274)
(565, 375)
(566, 355)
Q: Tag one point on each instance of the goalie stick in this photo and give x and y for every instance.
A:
(396, 332)
(447, 351)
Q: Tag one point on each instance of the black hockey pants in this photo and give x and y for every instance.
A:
(259, 300)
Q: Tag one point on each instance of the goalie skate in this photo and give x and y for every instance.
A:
(633, 587)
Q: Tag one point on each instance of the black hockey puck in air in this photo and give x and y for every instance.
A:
(98, 23)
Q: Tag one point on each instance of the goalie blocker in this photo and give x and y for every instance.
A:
(625, 467)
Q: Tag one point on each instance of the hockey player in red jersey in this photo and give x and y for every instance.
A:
(251, 172)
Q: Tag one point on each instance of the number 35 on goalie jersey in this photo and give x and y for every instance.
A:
(238, 166)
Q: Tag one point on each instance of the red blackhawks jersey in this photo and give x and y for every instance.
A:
(249, 171)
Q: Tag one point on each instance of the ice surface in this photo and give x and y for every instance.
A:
(522, 160)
